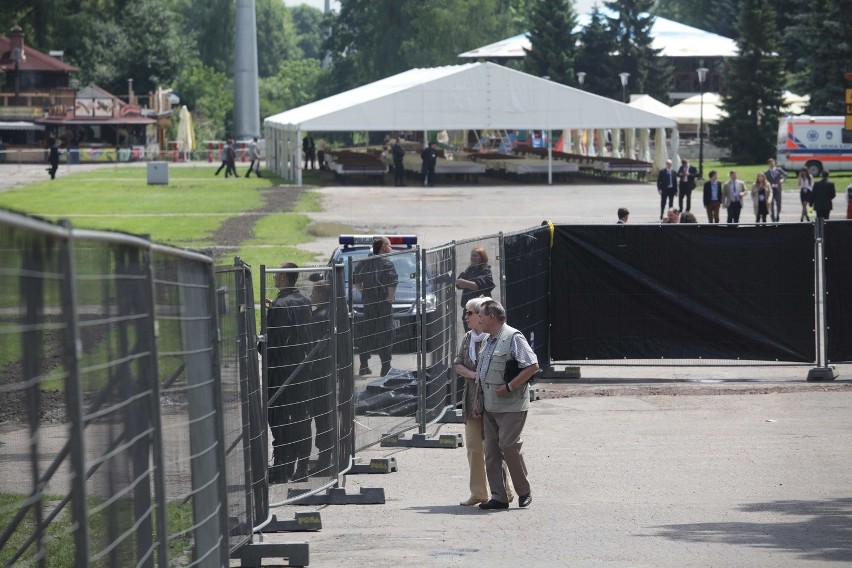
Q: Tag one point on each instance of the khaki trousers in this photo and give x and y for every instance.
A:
(503, 443)
(473, 439)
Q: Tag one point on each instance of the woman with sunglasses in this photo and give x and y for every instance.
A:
(465, 366)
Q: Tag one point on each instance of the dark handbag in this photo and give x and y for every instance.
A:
(478, 400)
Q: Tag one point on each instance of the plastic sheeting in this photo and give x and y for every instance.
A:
(734, 293)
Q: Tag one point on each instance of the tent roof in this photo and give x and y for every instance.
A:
(673, 38)
(650, 104)
(475, 95)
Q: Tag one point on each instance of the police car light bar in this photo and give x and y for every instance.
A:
(350, 240)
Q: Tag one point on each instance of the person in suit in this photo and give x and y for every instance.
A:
(231, 159)
(713, 197)
(686, 183)
(821, 196)
(775, 176)
(732, 197)
(666, 186)
(761, 196)
(310, 150)
(623, 214)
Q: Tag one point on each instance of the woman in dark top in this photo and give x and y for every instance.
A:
(476, 279)
(761, 195)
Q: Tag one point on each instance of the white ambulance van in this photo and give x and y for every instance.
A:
(815, 142)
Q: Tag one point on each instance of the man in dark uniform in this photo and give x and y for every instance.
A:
(376, 278)
(686, 183)
(430, 158)
(398, 153)
(288, 329)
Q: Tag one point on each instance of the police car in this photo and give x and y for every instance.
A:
(358, 247)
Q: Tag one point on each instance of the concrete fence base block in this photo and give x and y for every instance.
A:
(534, 394)
(452, 416)
(301, 522)
(375, 465)
(424, 441)
(252, 554)
(822, 374)
(338, 496)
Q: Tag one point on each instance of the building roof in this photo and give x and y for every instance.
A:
(673, 38)
(470, 96)
(35, 60)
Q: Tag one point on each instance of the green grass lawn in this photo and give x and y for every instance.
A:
(748, 173)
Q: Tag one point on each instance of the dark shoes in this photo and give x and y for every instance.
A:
(365, 371)
(525, 500)
(493, 505)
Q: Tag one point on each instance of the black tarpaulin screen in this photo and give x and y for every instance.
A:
(838, 287)
(683, 292)
(527, 266)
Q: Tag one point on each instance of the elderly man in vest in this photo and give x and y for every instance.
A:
(506, 364)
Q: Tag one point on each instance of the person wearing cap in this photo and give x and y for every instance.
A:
(430, 158)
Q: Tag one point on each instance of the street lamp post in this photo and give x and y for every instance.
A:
(581, 78)
(624, 77)
(702, 76)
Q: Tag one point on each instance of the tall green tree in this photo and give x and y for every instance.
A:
(294, 85)
(309, 25)
(553, 44)
(276, 36)
(822, 60)
(373, 39)
(755, 83)
(209, 95)
(212, 23)
(631, 27)
(595, 59)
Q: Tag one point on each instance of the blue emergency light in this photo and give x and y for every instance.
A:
(351, 240)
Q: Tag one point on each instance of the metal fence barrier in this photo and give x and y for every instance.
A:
(300, 355)
(145, 422)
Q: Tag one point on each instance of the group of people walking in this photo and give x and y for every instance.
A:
(229, 159)
(766, 193)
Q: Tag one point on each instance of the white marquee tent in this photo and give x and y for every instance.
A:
(471, 96)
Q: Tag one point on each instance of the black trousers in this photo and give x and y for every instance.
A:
(734, 210)
(666, 194)
(684, 192)
(398, 173)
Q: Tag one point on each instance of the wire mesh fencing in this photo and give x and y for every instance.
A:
(299, 373)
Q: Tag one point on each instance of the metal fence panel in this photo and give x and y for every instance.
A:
(233, 340)
(299, 356)
(437, 333)
(386, 391)
(36, 449)
(191, 403)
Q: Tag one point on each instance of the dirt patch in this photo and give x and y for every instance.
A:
(236, 230)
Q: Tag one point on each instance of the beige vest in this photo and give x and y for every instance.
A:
(492, 378)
